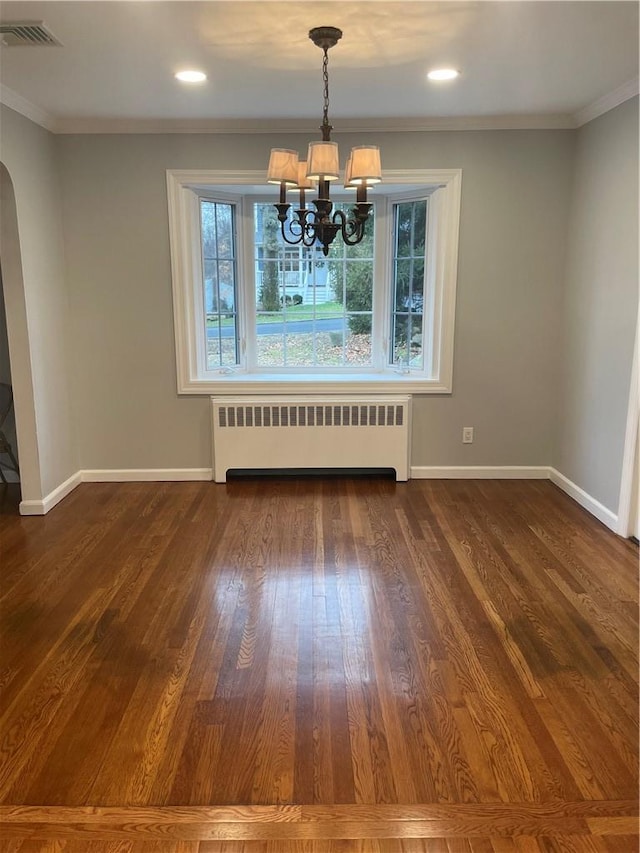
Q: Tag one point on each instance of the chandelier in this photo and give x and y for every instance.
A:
(308, 226)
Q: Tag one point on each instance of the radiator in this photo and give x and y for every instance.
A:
(311, 433)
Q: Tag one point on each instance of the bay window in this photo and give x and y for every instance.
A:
(254, 313)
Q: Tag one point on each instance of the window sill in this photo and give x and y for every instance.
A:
(314, 384)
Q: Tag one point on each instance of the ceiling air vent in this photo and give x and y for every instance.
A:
(26, 33)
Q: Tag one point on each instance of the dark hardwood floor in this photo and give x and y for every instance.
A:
(319, 665)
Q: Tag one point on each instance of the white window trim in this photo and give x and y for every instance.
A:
(185, 257)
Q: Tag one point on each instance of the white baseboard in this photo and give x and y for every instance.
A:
(110, 475)
(584, 499)
(480, 472)
(49, 501)
(418, 472)
(141, 475)
(521, 472)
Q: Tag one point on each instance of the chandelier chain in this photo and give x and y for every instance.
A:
(325, 78)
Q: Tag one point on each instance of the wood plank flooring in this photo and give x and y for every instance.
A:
(358, 664)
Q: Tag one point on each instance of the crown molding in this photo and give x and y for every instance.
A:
(218, 126)
(21, 105)
(553, 121)
(606, 102)
(549, 121)
(542, 121)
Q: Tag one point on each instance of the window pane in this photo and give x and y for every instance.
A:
(419, 227)
(269, 291)
(358, 343)
(221, 347)
(404, 231)
(270, 349)
(219, 274)
(208, 229)
(227, 293)
(211, 287)
(224, 227)
(306, 302)
(403, 284)
(400, 339)
(415, 348)
(359, 286)
(299, 349)
(410, 220)
(417, 283)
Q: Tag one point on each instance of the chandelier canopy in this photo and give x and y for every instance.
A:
(321, 225)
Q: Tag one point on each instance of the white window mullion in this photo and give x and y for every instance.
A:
(432, 296)
(247, 285)
(198, 311)
(381, 282)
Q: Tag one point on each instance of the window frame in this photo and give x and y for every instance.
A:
(186, 187)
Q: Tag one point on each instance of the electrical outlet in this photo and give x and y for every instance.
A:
(467, 435)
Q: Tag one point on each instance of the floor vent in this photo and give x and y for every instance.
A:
(293, 433)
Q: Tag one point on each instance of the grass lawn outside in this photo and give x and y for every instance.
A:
(319, 311)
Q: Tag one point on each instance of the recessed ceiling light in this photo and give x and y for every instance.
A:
(443, 74)
(191, 76)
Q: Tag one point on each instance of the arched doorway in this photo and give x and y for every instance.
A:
(9, 466)
(22, 429)
(629, 503)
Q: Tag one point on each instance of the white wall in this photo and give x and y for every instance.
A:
(600, 305)
(515, 202)
(37, 306)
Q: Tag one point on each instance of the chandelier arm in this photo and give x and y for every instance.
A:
(300, 230)
(307, 221)
(353, 236)
(310, 235)
(351, 230)
(296, 239)
(295, 229)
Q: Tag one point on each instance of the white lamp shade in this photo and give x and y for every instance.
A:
(365, 165)
(283, 166)
(348, 183)
(304, 183)
(322, 161)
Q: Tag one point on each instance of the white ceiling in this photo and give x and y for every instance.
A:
(550, 61)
